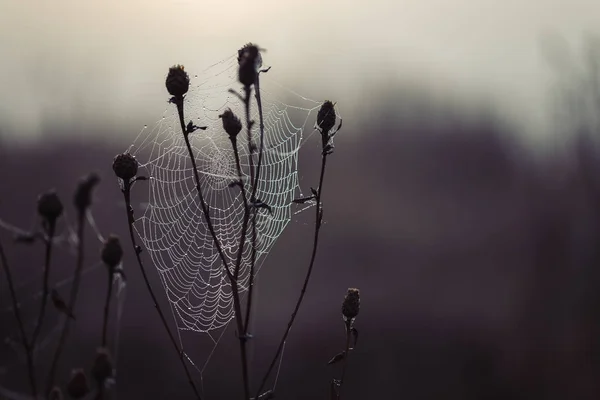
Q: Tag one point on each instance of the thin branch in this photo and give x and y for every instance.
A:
(72, 299)
(234, 284)
(15, 303)
(138, 251)
(318, 222)
(347, 354)
(107, 307)
(48, 255)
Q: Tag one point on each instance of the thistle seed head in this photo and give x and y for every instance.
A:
(112, 252)
(178, 81)
(231, 123)
(326, 117)
(125, 166)
(55, 394)
(49, 206)
(250, 61)
(78, 386)
(83, 193)
(351, 304)
(103, 366)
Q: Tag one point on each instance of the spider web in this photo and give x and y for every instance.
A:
(29, 294)
(170, 222)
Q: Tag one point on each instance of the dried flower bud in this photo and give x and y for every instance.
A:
(112, 252)
(178, 81)
(83, 193)
(326, 117)
(231, 123)
(103, 366)
(55, 394)
(250, 61)
(125, 166)
(351, 304)
(78, 386)
(49, 206)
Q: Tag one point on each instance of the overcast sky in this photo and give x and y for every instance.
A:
(106, 60)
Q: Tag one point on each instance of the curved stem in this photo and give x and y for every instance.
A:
(45, 288)
(107, 307)
(72, 299)
(234, 285)
(346, 355)
(137, 251)
(318, 222)
(15, 303)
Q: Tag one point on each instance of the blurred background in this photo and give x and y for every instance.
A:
(462, 199)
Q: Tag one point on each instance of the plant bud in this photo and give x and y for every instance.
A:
(103, 366)
(178, 81)
(326, 117)
(250, 61)
(351, 304)
(112, 252)
(231, 123)
(125, 166)
(49, 206)
(78, 386)
(83, 193)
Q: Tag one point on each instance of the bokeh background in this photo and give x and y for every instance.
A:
(462, 199)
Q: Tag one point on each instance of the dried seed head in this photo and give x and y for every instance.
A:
(55, 394)
(83, 193)
(112, 252)
(78, 386)
(231, 123)
(49, 206)
(326, 117)
(178, 81)
(351, 304)
(250, 61)
(251, 52)
(125, 166)
(103, 366)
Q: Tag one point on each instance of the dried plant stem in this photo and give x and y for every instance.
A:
(234, 284)
(72, 299)
(346, 355)
(45, 289)
(15, 304)
(254, 191)
(137, 251)
(318, 222)
(107, 307)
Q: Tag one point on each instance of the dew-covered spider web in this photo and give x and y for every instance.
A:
(26, 262)
(171, 224)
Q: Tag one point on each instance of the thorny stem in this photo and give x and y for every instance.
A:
(48, 255)
(107, 307)
(15, 302)
(72, 299)
(137, 250)
(232, 280)
(346, 354)
(318, 222)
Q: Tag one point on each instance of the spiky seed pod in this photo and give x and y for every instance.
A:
(103, 366)
(49, 206)
(78, 386)
(351, 304)
(55, 394)
(83, 193)
(326, 117)
(250, 61)
(178, 81)
(231, 123)
(251, 52)
(112, 252)
(125, 166)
